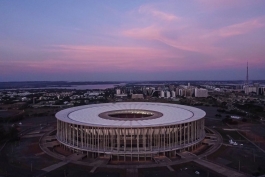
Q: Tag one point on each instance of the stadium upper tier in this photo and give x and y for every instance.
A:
(130, 114)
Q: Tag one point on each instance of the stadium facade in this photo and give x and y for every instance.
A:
(131, 130)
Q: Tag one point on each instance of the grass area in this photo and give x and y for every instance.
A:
(70, 170)
(218, 153)
(158, 171)
(250, 160)
(73, 170)
(188, 169)
(110, 172)
(225, 134)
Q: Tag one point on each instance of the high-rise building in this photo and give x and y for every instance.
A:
(168, 94)
(177, 91)
(246, 88)
(257, 87)
(118, 91)
(162, 94)
(201, 92)
(261, 91)
(181, 92)
(173, 94)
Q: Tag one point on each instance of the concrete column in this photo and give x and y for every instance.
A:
(92, 138)
(73, 134)
(112, 140)
(131, 141)
(184, 133)
(77, 134)
(57, 134)
(66, 133)
(180, 134)
(144, 139)
(97, 129)
(81, 135)
(192, 128)
(151, 139)
(158, 138)
(118, 140)
(169, 137)
(195, 130)
(124, 140)
(188, 132)
(138, 140)
(177, 135)
(165, 134)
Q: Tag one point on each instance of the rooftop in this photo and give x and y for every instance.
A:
(164, 114)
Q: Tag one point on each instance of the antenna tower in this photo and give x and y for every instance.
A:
(246, 84)
(247, 74)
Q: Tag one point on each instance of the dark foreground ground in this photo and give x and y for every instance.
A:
(25, 158)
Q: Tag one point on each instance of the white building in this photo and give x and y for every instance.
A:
(24, 99)
(181, 92)
(162, 94)
(137, 96)
(177, 91)
(201, 92)
(249, 89)
(168, 94)
(173, 94)
(118, 91)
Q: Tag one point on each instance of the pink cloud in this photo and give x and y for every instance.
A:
(187, 40)
(212, 5)
(241, 28)
(69, 58)
(149, 10)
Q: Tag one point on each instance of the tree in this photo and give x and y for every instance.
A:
(12, 133)
(244, 120)
(2, 132)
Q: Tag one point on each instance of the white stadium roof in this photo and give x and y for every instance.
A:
(89, 114)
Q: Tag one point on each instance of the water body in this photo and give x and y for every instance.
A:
(86, 87)
(77, 87)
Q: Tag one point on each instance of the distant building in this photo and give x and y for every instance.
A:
(261, 91)
(201, 92)
(168, 94)
(150, 91)
(24, 99)
(162, 94)
(249, 89)
(188, 92)
(173, 94)
(137, 96)
(118, 91)
(181, 92)
(121, 96)
(257, 87)
(177, 91)
(171, 87)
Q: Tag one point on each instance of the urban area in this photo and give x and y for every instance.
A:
(235, 141)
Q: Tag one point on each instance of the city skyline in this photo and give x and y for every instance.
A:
(117, 41)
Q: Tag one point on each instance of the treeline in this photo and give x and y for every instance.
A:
(13, 118)
(233, 111)
(250, 107)
(10, 133)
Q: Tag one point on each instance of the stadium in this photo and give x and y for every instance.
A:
(130, 130)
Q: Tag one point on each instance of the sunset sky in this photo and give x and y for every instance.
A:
(131, 40)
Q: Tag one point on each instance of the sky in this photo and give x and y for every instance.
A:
(63, 40)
